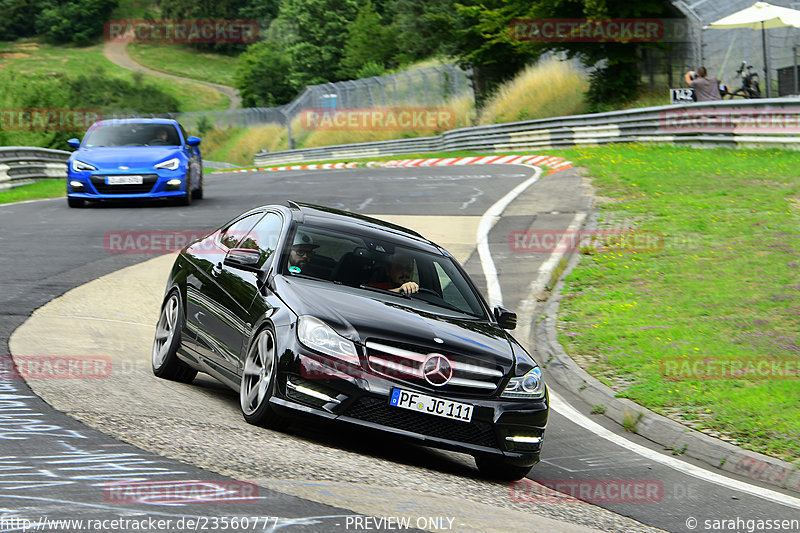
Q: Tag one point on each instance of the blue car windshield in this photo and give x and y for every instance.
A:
(132, 134)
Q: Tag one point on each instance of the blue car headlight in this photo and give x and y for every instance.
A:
(78, 166)
(169, 164)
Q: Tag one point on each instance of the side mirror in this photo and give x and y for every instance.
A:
(243, 259)
(193, 141)
(75, 143)
(505, 318)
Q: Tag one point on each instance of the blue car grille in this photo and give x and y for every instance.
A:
(99, 183)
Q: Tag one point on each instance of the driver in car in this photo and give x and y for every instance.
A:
(399, 274)
(160, 138)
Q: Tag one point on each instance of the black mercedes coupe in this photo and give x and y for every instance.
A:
(307, 310)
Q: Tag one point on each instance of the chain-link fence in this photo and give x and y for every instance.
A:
(423, 87)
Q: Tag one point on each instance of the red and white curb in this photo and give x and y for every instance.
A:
(295, 167)
(555, 164)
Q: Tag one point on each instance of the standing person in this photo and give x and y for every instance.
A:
(706, 88)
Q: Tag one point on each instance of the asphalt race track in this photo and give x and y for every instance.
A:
(130, 427)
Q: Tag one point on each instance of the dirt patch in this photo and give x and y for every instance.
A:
(13, 55)
(26, 46)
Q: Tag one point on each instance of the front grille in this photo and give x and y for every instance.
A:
(404, 362)
(149, 181)
(379, 412)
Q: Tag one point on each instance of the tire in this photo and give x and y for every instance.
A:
(496, 468)
(258, 382)
(165, 361)
(197, 194)
(76, 203)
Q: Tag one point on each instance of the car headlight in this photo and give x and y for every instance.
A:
(530, 386)
(169, 164)
(319, 336)
(78, 166)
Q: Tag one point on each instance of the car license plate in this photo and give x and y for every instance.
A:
(422, 403)
(124, 180)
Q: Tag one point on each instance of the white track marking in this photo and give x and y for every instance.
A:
(488, 221)
(575, 416)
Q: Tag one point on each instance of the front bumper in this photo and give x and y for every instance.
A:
(92, 185)
(513, 429)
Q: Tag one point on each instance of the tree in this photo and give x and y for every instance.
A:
(16, 19)
(262, 11)
(262, 75)
(422, 28)
(76, 21)
(368, 41)
(482, 41)
(314, 34)
(617, 77)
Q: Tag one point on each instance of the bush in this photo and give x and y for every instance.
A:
(549, 88)
(612, 86)
(91, 90)
(76, 21)
(262, 75)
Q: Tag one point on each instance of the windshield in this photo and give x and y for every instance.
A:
(133, 134)
(380, 266)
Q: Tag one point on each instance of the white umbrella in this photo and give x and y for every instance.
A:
(760, 16)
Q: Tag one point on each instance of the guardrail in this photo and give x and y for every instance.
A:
(20, 165)
(742, 123)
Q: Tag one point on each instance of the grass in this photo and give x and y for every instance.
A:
(238, 146)
(184, 61)
(34, 58)
(722, 283)
(547, 89)
(34, 191)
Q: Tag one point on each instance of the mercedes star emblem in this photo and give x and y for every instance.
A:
(437, 370)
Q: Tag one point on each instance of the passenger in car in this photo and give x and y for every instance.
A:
(302, 250)
(399, 273)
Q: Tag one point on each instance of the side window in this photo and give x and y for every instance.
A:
(450, 292)
(233, 234)
(264, 236)
(183, 132)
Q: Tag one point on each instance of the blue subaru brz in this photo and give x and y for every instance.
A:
(141, 158)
